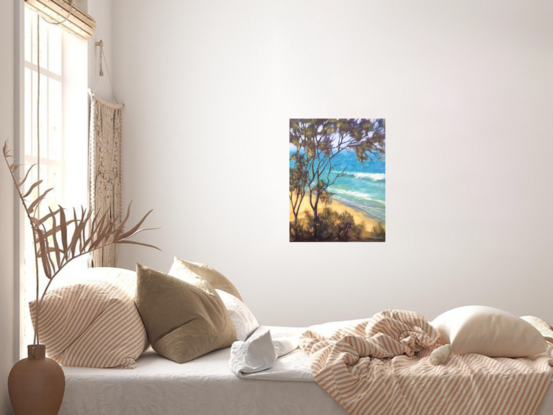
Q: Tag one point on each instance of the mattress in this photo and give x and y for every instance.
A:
(204, 386)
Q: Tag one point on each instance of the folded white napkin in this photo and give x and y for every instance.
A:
(259, 352)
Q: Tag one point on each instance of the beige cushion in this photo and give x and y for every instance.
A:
(215, 278)
(93, 324)
(488, 331)
(184, 319)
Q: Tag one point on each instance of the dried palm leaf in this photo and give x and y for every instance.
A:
(59, 239)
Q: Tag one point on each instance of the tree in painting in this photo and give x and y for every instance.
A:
(337, 180)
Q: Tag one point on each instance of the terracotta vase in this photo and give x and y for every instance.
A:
(36, 384)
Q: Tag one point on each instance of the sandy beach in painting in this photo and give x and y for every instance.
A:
(358, 215)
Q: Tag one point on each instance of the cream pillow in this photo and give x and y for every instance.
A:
(488, 331)
(215, 278)
(243, 319)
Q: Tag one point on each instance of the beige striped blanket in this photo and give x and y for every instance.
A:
(381, 366)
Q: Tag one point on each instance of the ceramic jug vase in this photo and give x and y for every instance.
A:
(36, 384)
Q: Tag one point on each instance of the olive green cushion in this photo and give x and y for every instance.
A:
(215, 278)
(184, 320)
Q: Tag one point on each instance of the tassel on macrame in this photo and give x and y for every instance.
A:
(101, 67)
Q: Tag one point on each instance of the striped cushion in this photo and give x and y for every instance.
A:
(123, 278)
(93, 324)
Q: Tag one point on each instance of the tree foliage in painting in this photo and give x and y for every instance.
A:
(315, 169)
(333, 226)
(378, 232)
(299, 179)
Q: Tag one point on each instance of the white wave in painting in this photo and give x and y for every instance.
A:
(357, 195)
(373, 177)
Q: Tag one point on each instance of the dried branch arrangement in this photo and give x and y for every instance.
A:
(59, 238)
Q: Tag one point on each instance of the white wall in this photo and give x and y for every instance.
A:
(465, 88)
(7, 293)
(101, 10)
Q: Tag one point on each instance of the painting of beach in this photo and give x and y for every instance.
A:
(337, 180)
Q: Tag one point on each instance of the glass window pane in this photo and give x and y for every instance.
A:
(28, 122)
(43, 115)
(32, 24)
(54, 122)
(54, 181)
(34, 96)
(28, 34)
(54, 49)
(34, 177)
(43, 44)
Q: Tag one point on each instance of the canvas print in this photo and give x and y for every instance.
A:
(337, 180)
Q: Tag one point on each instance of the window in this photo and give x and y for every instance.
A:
(63, 133)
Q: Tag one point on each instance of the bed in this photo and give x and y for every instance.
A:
(204, 386)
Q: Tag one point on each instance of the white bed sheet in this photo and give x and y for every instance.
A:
(204, 386)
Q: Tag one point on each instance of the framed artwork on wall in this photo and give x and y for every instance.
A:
(337, 180)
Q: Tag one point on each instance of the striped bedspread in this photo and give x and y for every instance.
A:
(380, 366)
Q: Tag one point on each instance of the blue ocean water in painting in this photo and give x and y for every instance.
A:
(363, 186)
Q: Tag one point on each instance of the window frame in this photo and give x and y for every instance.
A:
(26, 286)
(74, 81)
(33, 67)
(19, 148)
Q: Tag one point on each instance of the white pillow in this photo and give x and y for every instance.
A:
(488, 331)
(243, 319)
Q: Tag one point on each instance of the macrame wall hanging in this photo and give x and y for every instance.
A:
(106, 140)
